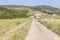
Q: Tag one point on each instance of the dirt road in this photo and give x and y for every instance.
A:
(40, 32)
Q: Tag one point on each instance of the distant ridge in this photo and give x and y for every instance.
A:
(47, 9)
(15, 10)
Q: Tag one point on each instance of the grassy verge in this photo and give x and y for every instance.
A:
(7, 24)
(52, 24)
(21, 33)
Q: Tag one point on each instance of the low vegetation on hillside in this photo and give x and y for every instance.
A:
(8, 13)
(47, 9)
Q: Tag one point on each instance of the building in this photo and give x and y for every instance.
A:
(38, 15)
(54, 14)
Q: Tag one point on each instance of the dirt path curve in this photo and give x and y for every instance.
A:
(10, 33)
(40, 32)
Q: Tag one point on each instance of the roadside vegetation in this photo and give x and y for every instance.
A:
(8, 24)
(21, 33)
(51, 23)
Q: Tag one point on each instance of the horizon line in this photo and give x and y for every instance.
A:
(25, 5)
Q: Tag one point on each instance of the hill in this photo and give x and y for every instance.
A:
(16, 7)
(9, 13)
(16, 11)
(47, 9)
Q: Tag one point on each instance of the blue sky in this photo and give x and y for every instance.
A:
(54, 3)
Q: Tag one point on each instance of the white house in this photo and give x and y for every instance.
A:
(38, 15)
(54, 14)
(32, 16)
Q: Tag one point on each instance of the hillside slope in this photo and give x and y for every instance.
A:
(47, 9)
(16, 11)
(9, 13)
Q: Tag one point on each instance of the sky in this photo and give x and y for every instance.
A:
(54, 3)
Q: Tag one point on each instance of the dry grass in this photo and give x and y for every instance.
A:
(7, 24)
(52, 24)
(21, 33)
